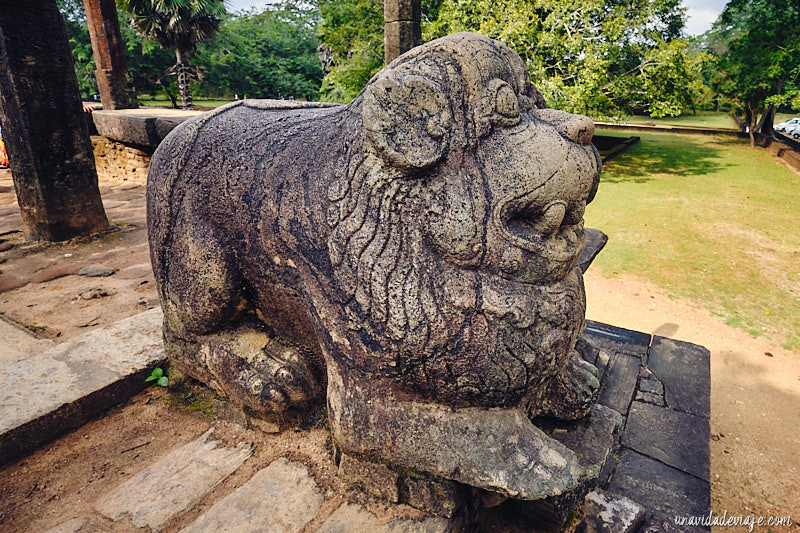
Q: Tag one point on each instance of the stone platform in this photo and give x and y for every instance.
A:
(660, 459)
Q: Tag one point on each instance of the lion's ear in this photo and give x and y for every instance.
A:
(407, 120)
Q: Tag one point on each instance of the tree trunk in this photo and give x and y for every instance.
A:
(184, 83)
(765, 124)
(44, 126)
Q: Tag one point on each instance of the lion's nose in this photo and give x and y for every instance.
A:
(577, 128)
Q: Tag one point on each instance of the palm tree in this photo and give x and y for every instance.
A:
(178, 25)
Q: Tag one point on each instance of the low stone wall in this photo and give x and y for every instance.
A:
(783, 150)
(121, 162)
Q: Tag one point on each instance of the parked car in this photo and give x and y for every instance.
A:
(792, 123)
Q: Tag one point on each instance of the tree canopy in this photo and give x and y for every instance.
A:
(758, 45)
(178, 25)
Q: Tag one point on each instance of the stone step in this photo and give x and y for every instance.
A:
(281, 498)
(51, 389)
(174, 484)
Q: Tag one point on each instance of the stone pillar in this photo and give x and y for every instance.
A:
(43, 124)
(401, 31)
(113, 80)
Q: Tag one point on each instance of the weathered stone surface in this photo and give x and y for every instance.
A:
(281, 498)
(614, 339)
(685, 371)
(675, 438)
(592, 438)
(438, 497)
(608, 513)
(55, 272)
(651, 385)
(139, 126)
(350, 517)
(70, 526)
(17, 343)
(49, 393)
(376, 478)
(659, 487)
(595, 241)
(620, 382)
(417, 247)
(649, 397)
(96, 271)
(172, 485)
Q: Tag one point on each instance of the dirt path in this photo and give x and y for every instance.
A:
(755, 397)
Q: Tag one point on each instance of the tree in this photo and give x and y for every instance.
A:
(178, 25)
(585, 56)
(271, 54)
(351, 32)
(758, 45)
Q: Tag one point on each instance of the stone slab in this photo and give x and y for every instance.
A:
(351, 517)
(608, 513)
(60, 388)
(615, 339)
(142, 127)
(619, 382)
(659, 487)
(173, 484)
(675, 438)
(281, 498)
(685, 371)
(595, 241)
(17, 343)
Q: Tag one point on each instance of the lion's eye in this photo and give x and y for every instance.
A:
(506, 102)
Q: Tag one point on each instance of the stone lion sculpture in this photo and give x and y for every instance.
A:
(414, 252)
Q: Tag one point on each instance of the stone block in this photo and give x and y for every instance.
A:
(675, 438)
(620, 382)
(614, 339)
(608, 513)
(64, 386)
(595, 241)
(173, 484)
(439, 497)
(281, 498)
(659, 487)
(685, 371)
(350, 517)
(376, 479)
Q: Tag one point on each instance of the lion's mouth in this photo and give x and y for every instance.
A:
(554, 230)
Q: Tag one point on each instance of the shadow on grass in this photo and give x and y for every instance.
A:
(681, 158)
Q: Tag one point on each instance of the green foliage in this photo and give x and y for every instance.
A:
(178, 25)
(592, 57)
(81, 45)
(758, 45)
(271, 54)
(352, 35)
(158, 376)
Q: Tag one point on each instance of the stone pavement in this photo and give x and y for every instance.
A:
(659, 467)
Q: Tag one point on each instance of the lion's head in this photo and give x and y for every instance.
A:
(455, 235)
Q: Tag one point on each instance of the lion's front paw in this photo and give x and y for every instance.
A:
(263, 374)
(572, 392)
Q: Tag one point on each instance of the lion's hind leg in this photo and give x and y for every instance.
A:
(212, 334)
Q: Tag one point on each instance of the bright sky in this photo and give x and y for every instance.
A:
(700, 14)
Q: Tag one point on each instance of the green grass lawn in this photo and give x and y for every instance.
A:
(163, 101)
(709, 219)
(703, 119)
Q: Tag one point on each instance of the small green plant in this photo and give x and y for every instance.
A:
(158, 376)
